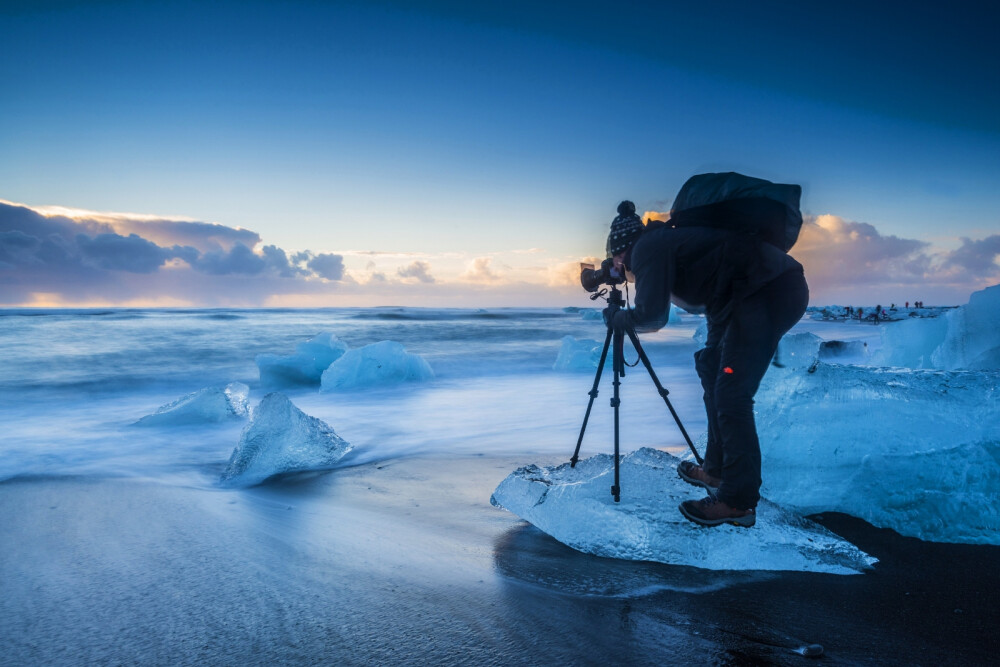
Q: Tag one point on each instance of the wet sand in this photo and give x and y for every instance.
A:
(406, 562)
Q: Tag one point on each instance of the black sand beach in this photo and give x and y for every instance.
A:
(406, 562)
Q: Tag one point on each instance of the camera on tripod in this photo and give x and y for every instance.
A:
(592, 279)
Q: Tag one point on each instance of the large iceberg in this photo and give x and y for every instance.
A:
(211, 404)
(966, 337)
(306, 366)
(575, 506)
(917, 451)
(280, 438)
(386, 362)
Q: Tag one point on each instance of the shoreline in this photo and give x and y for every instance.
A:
(404, 561)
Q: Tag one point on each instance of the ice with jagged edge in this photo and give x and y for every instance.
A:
(211, 404)
(917, 451)
(306, 366)
(279, 439)
(386, 362)
(575, 506)
(579, 354)
(962, 338)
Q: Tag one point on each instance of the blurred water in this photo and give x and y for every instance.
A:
(75, 380)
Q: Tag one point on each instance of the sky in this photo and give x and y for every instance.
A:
(309, 153)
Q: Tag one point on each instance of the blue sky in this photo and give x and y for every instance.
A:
(471, 153)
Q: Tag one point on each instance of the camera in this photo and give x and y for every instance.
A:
(591, 279)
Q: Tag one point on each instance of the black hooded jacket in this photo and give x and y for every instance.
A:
(699, 269)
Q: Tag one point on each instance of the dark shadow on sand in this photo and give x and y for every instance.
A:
(923, 604)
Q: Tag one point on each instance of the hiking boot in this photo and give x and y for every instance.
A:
(696, 475)
(710, 511)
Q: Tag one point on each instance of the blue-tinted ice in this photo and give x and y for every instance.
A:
(575, 506)
(386, 362)
(211, 404)
(280, 438)
(306, 366)
(917, 451)
(962, 338)
(579, 354)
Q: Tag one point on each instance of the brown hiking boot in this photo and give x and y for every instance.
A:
(710, 511)
(696, 475)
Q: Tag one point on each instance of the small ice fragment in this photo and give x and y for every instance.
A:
(211, 404)
(280, 438)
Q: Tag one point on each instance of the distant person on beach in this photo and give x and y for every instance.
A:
(751, 292)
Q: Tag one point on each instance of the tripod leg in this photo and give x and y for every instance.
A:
(617, 362)
(593, 395)
(663, 392)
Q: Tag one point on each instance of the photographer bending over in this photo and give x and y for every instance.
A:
(751, 293)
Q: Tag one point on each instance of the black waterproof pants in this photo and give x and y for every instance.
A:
(731, 366)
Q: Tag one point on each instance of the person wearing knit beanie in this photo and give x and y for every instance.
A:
(751, 292)
(625, 229)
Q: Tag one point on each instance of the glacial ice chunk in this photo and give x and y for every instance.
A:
(967, 337)
(973, 337)
(917, 451)
(306, 366)
(579, 354)
(280, 438)
(211, 404)
(575, 506)
(386, 362)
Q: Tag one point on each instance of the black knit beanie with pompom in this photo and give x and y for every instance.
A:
(625, 228)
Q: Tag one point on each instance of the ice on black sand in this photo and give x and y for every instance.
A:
(280, 438)
(575, 506)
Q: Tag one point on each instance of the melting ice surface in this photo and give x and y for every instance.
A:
(306, 366)
(917, 451)
(575, 506)
(211, 404)
(385, 362)
(280, 438)
(962, 338)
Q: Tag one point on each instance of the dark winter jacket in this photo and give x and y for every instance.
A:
(698, 268)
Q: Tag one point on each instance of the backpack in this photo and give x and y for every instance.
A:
(740, 203)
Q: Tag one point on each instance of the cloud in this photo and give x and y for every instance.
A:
(838, 251)
(204, 236)
(481, 271)
(95, 259)
(85, 259)
(123, 253)
(849, 261)
(976, 257)
(327, 266)
(567, 274)
(418, 270)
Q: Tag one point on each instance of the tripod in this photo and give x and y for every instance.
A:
(615, 303)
